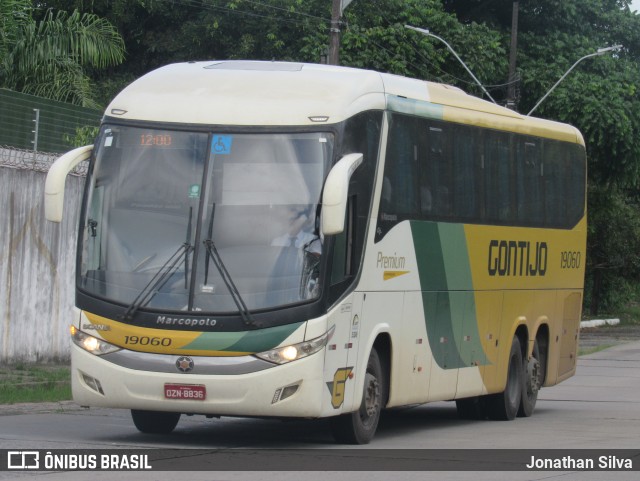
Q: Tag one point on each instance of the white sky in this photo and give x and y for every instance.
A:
(635, 5)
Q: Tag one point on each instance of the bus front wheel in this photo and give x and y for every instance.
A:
(154, 422)
(504, 406)
(360, 426)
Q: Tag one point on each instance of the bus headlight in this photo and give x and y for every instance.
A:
(293, 352)
(91, 344)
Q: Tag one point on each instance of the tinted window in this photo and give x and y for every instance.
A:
(455, 173)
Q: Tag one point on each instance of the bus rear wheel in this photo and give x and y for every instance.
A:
(532, 381)
(504, 406)
(360, 426)
(154, 422)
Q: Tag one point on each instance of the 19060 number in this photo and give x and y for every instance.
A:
(570, 260)
(147, 341)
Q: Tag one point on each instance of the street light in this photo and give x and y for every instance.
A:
(598, 52)
(425, 31)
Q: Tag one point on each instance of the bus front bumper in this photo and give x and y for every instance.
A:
(289, 390)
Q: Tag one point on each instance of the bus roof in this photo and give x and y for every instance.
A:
(258, 93)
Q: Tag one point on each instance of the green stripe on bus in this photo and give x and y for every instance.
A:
(419, 108)
(245, 341)
(447, 294)
(456, 257)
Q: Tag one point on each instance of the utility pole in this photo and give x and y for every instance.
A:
(337, 7)
(334, 36)
(511, 90)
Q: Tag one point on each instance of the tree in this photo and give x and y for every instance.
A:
(613, 262)
(50, 57)
(158, 32)
(374, 37)
(600, 97)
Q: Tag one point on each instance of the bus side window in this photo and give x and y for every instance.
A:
(439, 168)
(497, 178)
(466, 172)
(529, 171)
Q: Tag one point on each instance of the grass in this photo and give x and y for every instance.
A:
(590, 350)
(630, 314)
(22, 383)
(627, 330)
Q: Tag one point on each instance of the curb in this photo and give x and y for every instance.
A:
(599, 322)
(44, 407)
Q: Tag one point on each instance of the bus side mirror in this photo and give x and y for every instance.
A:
(56, 179)
(334, 195)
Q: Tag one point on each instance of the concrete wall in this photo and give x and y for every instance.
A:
(37, 268)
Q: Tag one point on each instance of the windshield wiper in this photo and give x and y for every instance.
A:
(228, 281)
(186, 256)
(158, 280)
(163, 274)
(209, 236)
(212, 253)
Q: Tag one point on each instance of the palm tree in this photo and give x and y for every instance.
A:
(49, 57)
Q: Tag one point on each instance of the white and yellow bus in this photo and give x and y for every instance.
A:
(296, 240)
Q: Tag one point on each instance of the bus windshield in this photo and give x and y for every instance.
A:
(194, 221)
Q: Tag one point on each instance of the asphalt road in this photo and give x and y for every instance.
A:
(598, 409)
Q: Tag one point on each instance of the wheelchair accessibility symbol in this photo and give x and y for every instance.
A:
(221, 144)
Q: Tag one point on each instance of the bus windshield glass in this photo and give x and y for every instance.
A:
(194, 221)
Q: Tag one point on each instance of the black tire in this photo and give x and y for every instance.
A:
(531, 383)
(360, 426)
(472, 408)
(504, 406)
(154, 422)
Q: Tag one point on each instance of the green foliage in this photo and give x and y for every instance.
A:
(49, 57)
(83, 136)
(374, 37)
(613, 250)
(12, 14)
(630, 312)
(600, 96)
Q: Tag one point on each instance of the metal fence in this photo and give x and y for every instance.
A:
(36, 123)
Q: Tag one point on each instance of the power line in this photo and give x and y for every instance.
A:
(418, 50)
(419, 53)
(236, 11)
(266, 5)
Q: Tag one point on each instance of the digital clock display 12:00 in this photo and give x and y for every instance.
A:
(159, 140)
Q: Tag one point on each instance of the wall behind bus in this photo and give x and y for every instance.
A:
(37, 263)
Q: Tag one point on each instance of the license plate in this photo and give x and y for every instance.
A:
(189, 392)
